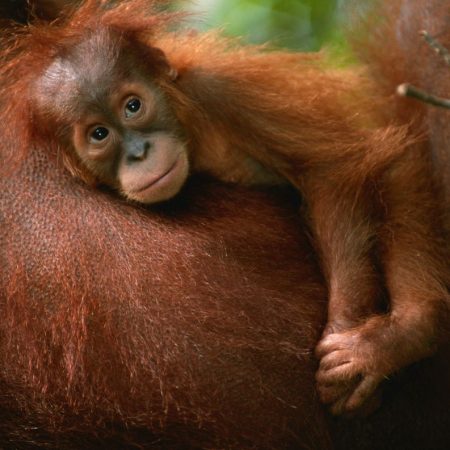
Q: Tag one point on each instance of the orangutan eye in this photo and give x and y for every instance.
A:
(132, 107)
(99, 134)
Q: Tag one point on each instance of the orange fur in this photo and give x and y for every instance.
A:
(152, 327)
(367, 184)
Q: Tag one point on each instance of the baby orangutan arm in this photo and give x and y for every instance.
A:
(414, 259)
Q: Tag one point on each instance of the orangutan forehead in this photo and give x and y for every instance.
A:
(65, 80)
(85, 74)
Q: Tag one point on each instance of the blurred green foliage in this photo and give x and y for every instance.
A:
(297, 24)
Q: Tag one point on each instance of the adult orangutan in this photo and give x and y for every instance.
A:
(134, 107)
(190, 326)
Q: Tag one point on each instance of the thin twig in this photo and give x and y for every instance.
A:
(407, 90)
(436, 46)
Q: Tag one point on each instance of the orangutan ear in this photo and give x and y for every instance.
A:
(161, 58)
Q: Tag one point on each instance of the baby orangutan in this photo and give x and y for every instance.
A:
(138, 109)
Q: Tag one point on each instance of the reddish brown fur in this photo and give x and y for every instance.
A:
(60, 365)
(411, 60)
(365, 193)
(171, 336)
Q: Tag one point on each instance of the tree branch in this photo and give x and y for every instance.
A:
(407, 90)
(436, 46)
